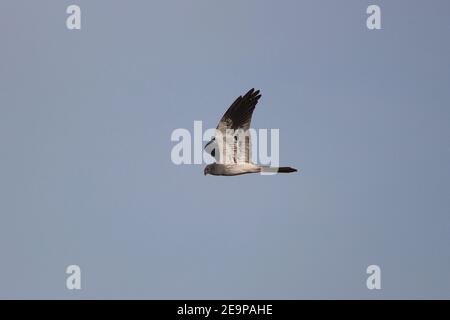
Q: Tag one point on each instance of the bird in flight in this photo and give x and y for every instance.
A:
(231, 145)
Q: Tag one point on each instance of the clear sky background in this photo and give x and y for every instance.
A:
(86, 176)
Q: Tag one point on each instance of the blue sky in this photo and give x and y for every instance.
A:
(85, 170)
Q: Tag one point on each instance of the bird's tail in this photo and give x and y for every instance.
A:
(278, 169)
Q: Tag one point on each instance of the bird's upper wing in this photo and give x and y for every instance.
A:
(231, 148)
(239, 114)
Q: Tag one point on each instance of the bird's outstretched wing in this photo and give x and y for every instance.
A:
(239, 114)
(234, 144)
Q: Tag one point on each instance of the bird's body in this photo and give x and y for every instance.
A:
(219, 169)
(232, 144)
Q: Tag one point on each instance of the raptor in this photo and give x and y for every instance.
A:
(231, 145)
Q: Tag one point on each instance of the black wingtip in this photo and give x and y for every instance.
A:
(253, 94)
(253, 91)
(250, 92)
(286, 170)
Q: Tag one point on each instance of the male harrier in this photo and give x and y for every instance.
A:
(231, 145)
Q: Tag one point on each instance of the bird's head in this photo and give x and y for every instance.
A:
(208, 169)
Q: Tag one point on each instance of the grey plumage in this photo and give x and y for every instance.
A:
(231, 146)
